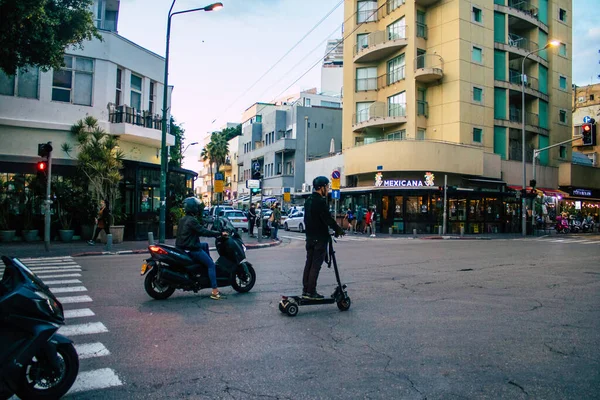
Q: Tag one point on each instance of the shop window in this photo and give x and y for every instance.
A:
(457, 209)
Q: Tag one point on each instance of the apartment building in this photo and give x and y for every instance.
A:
(432, 89)
(116, 81)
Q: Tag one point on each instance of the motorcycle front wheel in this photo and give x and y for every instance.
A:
(39, 381)
(243, 282)
(154, 288)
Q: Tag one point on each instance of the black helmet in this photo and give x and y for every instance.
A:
(191, 205)
(319, 182)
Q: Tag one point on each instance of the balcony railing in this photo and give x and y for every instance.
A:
(422, 108)
(421, 30)
(525, 7)
(429, 61)
(379, 37)
(516, 115)
(129, 115)
(393, 4)
(521, 42)
(366, 84)
(380, 110)
(530, 81)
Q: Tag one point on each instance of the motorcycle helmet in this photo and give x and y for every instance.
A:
(319, 182)
(191, 205)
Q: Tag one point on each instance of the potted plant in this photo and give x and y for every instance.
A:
(176, 214)
(117, 227)
(28, 188)
(65, 197)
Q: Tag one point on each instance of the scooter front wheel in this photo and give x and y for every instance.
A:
(243, 282)
(344, 304)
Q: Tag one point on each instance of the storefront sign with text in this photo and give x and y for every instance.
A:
(582, 192)
(380, 182)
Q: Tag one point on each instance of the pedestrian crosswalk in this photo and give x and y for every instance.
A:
(64, 278)
(560, 239)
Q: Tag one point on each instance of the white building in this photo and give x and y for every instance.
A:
(116, 81)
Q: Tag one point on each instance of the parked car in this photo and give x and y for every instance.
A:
(237, 218)
(295, 222)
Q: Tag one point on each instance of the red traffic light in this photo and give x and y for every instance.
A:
(42, 166)
(586, 128)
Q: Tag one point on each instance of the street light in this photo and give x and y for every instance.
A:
(524, 191)
(186, 147)
(163, 145)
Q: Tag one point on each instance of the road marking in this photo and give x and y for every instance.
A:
(592, 242)
(55, 269)
(49, 263)
(79, 313)
(83, 329)
(74, 299)
(95, 379)
(46, 259)
(559, 240)
(62, 282)
(42, 277)
(91, 350)
(68, 289)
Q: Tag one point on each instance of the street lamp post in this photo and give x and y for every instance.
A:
(186, 147)
(163, 145)
(524, 188)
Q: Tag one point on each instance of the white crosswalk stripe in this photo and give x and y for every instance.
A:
(64, 277)
(564, 240)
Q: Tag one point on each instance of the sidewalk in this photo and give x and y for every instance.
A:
(81, 248)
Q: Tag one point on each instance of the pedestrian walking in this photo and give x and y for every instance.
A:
(317, 221)
(276, 215)
(102, 221)
(350, 218)
(373, 222)
(251, 219)
(360, 216)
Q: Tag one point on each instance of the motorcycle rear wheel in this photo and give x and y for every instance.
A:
(242, 285)
(35, 383)
(153, 287)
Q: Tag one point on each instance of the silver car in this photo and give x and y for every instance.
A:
(237, 218)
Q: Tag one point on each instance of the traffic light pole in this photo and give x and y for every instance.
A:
(48, 202)
(445, 217)
(536, 154)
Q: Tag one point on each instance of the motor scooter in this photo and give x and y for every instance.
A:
(562, 225)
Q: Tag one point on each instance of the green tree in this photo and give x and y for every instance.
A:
(176, 150)
(230, 133)
(216, 152)
(37, 32)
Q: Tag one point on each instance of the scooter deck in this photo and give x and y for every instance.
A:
(308, 302)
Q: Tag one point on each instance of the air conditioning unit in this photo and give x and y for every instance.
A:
(306, 187)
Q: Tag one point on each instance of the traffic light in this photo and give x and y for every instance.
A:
(44, 149)
(255, 191)
(256, 175)
(533, 183)
(586, 134)
(42, 168)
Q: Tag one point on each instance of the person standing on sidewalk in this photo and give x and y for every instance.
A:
(317, 221)
(368, 221)
(359, 219)
(251, 220)
(373, 222)
(350, 218)
(102, 221)
(276, 221)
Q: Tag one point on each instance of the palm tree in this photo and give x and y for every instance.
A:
(216, 152)
(205, 155)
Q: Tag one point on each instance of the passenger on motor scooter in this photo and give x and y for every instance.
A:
(189, 232)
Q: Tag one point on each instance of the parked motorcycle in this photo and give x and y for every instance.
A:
(170, 268)
(587, 226)
(562, 225)
(35, 361)
(574, 225)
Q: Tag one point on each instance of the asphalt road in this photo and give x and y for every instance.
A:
(508, 319)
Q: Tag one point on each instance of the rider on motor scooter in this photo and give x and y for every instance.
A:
(189, 232)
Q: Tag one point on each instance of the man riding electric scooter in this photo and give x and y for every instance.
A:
(317, 221)
(189, 232)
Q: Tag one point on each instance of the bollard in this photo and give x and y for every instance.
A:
(440, 230)
(150, 238)
(259, 233)
(414, 233)
(391, 230)
(462, 231)
(109, 242)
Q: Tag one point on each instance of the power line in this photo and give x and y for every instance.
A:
(282, 57)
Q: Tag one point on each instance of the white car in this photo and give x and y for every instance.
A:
(238, 219)
(295, 221)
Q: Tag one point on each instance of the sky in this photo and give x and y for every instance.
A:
(216, 56)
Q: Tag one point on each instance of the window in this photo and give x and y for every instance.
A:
(395, 69)
(421, 58)
(562, 116)
(259, 118)
(420, 134)
(400, 135)
(397, 30)
(591, 97)
(397, 105)
(151, 97)
(322, 126)
(119, 85)
(421, 25)
(422, 106)
(562, 82)
(366, 79)
(477, 14)
(562, 15)
(24, 83)
(562, 50)
(73, 83)
(562, 151)
(477, 135)
(136, 92)
(332, 104)
(362, 111)
(362, 41)
(306, 102)
(581, 99)
(477, 94)
(393, 4)
(477, 54)
(366, 11)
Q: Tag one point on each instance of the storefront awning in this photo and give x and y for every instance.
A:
(546, 191)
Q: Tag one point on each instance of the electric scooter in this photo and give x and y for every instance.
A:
(289, 304)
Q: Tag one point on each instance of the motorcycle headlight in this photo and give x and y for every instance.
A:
(48, 305)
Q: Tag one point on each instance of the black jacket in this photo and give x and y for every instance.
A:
(317, 219)
(188, 232)
(252, 214)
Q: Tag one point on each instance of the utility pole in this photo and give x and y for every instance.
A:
(445, 217)
(48, 200)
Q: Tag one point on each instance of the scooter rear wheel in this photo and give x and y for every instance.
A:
(344, 304)
(153, 287)
(292, 310)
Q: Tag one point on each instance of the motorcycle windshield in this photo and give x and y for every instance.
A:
(32, 278)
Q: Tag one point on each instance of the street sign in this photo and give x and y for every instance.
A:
(335, 184)
(335, 174)
(286, 190)
(252, 184)
(219, 186)
(587, 119)
(256, 166)
(335, 194)
(219, 177)
(287, 197)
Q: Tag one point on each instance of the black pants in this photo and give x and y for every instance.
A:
(251, 226)
(106, 229)
(315, 255)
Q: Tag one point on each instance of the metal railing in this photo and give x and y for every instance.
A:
(516, 115)
(406, 139)
(129, 115)
(393, 4)
(524, 6)
(393, 76)
(379, 37)
(530, 82)
(421, 30)
(380, 110)
(422, 108)
(429, 61)
(521, 42)
(366, 84)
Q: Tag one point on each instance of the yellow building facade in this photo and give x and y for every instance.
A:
(434, 88)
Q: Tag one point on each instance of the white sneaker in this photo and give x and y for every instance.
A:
(373, 235)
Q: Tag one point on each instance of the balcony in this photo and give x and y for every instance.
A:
(136, 126)
(415, 155)
(515, 121)
(380, 44)
(426, 3)
(368, 84)
(429, 68)
(532, 85)
(522, 14)
(379, 115)
(521, 46)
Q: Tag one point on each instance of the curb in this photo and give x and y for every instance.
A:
(143, 251)
(454, 238)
